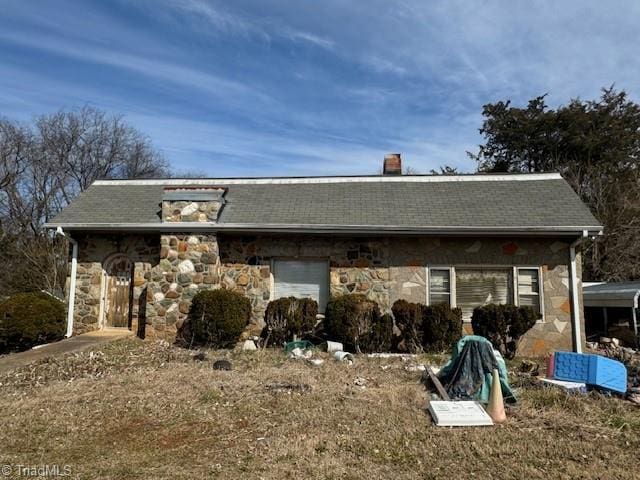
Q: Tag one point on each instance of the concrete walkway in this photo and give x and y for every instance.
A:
(68, 345)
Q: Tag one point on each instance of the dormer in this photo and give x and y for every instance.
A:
(192, 204)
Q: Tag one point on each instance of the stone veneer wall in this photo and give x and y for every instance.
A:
(192, 210)
(387, 269)
(93, 250)
(355, 266)
(188, 264)
(172, 268)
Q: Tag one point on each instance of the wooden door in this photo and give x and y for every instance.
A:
(118, 293)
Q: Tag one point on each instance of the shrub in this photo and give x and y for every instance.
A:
(29, 319)
(503, 325)
(427, 328)
(408, 318)
(286, 317)
(350, 318)
(380, 337)
(217, 318)
(489, 321)
(442, 327)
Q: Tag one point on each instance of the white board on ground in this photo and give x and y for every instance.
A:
(574, 387)
(458, 414)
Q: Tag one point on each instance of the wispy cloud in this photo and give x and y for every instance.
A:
(383, 65)
(249, 87)
(313, 39)
(218, 18)
(222, 20)
(172, 73)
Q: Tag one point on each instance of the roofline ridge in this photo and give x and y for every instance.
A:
(472, 177)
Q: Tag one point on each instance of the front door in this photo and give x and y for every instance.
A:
(118, 292)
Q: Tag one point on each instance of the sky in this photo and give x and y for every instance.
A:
(266, 88)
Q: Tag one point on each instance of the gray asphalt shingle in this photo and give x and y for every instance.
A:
(449, 204)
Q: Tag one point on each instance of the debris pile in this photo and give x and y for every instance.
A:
(302, 350)
(469, 373)
(630, 358)
(476, 374)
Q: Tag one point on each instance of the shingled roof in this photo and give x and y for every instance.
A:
(515, 203)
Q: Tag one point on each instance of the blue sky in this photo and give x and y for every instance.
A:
(261, 88)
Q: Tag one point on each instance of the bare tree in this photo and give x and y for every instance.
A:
(15, 142)
(43, 167)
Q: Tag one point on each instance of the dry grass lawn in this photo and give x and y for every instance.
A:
(138, 409)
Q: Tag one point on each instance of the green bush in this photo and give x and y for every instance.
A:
(289, 317)
(503, 325)
(380, 337)
(431, 328)
(489, 322)
(350, 319)
(408, 318)
(29, 319)
(217, 318)
(442, 327)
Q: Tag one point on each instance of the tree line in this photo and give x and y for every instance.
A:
(595, 145)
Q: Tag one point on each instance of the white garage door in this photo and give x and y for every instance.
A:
(302, 279)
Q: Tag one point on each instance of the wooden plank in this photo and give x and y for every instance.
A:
(436, 383)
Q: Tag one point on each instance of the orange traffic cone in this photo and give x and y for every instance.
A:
(495, 409)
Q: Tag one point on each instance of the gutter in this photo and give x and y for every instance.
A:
(575, 303)
(72, 283)
(327, 228)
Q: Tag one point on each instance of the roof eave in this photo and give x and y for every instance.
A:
(566, 231)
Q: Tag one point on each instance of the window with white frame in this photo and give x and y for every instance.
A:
(529, 288)
(439, 286)
(480, 286)
(471, 287)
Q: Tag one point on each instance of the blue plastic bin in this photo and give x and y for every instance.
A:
(591, 369)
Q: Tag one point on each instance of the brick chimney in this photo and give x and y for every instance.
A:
(392, 164)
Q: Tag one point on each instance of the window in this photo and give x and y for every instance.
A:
(529, 288)
(302, 279)
(480, 286)
(439, 286)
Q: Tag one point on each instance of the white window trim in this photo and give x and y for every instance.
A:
(540, 292)
(452, 287)
(516, 301)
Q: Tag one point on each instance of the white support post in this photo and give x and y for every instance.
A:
(575, 303)
(72, 283)
(634, 316)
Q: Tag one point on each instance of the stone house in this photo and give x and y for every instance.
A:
(143, 248)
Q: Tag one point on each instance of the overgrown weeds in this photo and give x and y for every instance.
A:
(146, 410)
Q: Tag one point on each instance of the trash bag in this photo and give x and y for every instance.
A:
(467, 375)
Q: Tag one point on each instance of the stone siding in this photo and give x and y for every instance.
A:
(93, 251)
(355, 266)
(188, 264)
(388, 269)
(192, 205)
(170, 269)
(186, 211)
